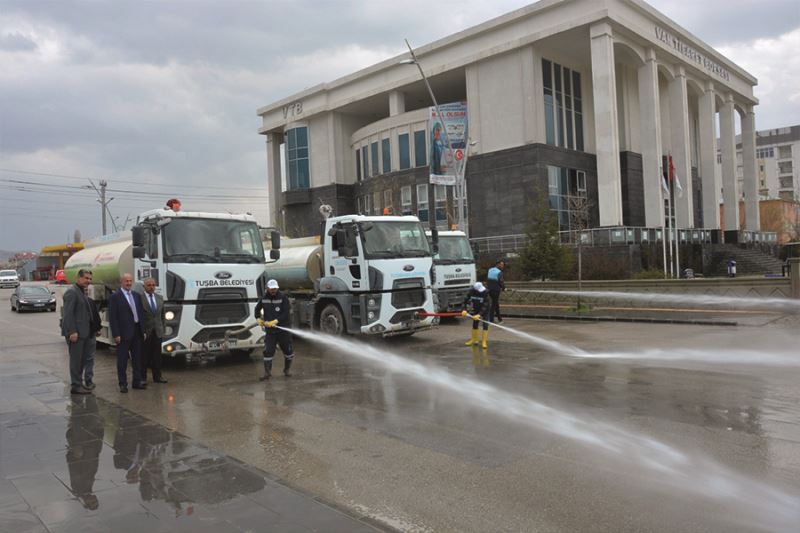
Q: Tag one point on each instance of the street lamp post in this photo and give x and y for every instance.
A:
(459, 187)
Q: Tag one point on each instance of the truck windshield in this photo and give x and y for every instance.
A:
(454, 249)
(385, 240)
(204, 240)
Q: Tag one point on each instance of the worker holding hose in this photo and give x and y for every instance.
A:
(272, 310)
(478, 305)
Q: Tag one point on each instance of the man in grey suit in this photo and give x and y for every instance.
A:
(153, 328)
(79, 329)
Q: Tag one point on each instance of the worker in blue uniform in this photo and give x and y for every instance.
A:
(496, 286)
(272, 310)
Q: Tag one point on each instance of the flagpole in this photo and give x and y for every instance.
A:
(669, 235)
(663, 222)
(677, 253)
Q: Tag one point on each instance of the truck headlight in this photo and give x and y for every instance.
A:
(371, 315)
(371, 302)
(169, 315)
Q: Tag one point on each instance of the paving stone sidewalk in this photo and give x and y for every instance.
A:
(84, 464)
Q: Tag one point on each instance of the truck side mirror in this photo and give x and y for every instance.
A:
(138, 252)
(275, 237)
(137, 234)
(274, 254)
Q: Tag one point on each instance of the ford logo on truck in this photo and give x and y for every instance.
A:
(223, 275)
(408, 268)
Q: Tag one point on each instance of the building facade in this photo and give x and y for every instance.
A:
(777, 160)
(586, 98)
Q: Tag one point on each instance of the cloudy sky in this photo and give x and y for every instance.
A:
(160, 98)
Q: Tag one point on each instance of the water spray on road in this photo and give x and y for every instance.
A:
(771, 304)
(756, 504)
(787, 357)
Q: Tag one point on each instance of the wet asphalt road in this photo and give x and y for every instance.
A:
(414, 457)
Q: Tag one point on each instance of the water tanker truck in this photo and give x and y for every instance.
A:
(208, 267)
(454, 270)
(362, 275)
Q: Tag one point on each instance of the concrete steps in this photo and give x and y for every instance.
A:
(749, 261)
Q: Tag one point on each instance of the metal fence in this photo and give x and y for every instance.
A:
(617, 236)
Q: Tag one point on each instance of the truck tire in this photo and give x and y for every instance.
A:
(331, 320)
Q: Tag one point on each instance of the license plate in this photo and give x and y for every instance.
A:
(38, 305)
(216, 345)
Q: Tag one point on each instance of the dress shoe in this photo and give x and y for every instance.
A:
(89, 385)
(123, 388)
(79, 390)
(159, 380)
(140, 386)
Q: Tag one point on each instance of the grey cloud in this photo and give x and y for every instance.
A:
(167, 91)
(16, 42)
(723, 22)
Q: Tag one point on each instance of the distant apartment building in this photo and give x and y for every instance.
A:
(777, 162)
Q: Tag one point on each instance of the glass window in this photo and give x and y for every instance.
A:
(212, 241)
(373, 148)
(297, 158)
(386, 149)
(387, 199)
(440, 196)
(376, 202)
(563, 108)
(405, 200)
(422, 202)
(367, 204)
(358, 164)
(365, 161)
(402, 145)
(420, 149)
(784, 152)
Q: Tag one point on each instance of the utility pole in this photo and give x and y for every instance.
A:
(101, 192)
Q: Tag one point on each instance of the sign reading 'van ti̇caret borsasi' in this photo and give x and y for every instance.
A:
(445, 164)
(690, 53)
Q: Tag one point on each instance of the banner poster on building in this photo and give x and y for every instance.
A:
(445, 165)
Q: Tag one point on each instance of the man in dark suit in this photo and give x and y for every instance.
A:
(125, 314)
(153, 331)
(77, 329)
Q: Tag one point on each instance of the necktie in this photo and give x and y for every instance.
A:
(152, 303)
(133, 306)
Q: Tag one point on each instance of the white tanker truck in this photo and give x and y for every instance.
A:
(362, 275)
(454, 269)
(209, 267)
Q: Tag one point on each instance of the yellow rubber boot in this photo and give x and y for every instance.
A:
(485, 343)
(474, 339)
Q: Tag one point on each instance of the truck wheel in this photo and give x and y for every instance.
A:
(331, 320)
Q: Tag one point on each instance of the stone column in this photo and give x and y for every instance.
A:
(274, 187)
(650, 138)
(681, 155)
(751, 211)
(708, 157)
(727, 145)
(397, 103)
(606, 129)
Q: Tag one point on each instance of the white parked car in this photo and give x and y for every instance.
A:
(9, 278)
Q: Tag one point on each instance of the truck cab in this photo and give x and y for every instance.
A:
(363, 275)
(454, 270)
(209, 267)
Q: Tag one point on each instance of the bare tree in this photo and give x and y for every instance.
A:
(579, 208)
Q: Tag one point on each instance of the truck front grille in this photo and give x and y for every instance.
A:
(218, 334)
(457, 281)
(222, 306)
(408, 293)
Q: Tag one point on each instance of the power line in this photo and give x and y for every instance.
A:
(49, 186)
(134, 182)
